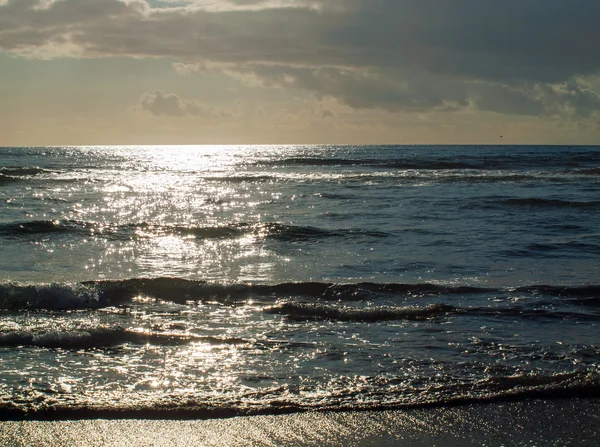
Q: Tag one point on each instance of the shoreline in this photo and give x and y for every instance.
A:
(196, 412)
(555, 422)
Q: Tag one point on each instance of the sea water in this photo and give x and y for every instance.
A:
(223, 280)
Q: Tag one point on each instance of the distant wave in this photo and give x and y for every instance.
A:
(479, 176)
(270, 230)
(333, 196)
(10, 179)
(583, 292)
(575, 161)
(318, 311)
(498, 177)
(98, 294)
(303, 311)
(382, 163)
(23, 171)
(556, 249)
(41, 227)
(242, 179)
(540, 202)
(7, 179)
(9, 175)
(589, 171)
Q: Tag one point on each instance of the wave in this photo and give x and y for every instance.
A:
(318, 311)
(539, 202)
(514, 388)
(405, 172)
(7, 179)
(50, 297)
(454, 177)
(103, 337)
(106, 293)
(23, 171)
(496, 177)
(588, 171)
(90, 338)
(242, 179)
(393, 163)
(304, 233)
(575, 162)
(98, 294)
(556, 250)
(276, 231)
(333, 196)
(313, 311)
(589, 291)
(42, 227)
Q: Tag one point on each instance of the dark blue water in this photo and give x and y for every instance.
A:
(228, 280)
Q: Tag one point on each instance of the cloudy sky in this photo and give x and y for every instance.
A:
(299, 71)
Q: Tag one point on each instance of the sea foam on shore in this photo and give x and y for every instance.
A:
(526, 423)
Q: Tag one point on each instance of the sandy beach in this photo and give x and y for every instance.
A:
(528, 423)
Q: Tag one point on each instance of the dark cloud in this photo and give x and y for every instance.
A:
(533, 40)
(528, 57)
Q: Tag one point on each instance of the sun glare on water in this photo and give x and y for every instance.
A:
(176, 210)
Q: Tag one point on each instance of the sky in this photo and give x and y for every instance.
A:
(84, 72)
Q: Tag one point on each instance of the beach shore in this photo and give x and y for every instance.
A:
(527, 423)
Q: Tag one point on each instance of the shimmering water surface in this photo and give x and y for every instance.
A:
(228, 280)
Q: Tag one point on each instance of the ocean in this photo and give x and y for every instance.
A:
(231, 280)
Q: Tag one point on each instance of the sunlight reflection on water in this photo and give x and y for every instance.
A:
(295, 276)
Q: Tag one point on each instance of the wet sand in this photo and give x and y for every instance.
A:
(529, 423)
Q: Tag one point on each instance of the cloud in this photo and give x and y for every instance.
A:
(412, 90)
(171, 105)
(527, 57)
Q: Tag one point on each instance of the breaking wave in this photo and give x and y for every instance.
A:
(90, 338)
(106, 293)
(579, 384)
